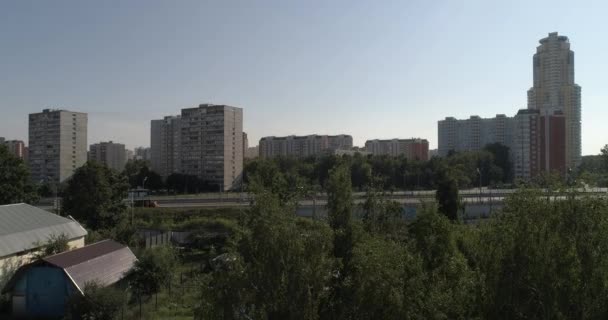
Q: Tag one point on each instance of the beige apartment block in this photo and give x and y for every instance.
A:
(303, 146)
(111, 154)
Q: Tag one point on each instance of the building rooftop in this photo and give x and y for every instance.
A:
(23, 227)
(104, 262)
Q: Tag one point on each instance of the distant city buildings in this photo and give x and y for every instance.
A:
(206, 141)
(473, 134)
(413, 149)
(303, 146)
(57, 144)
(111, 154)
(546, 137)
(142, 153)
(252, 152)
(350, 152)
(130, 154)
(16, 148)
(165, 135)
(245, 144)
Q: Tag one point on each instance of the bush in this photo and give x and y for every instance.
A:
(97, 303)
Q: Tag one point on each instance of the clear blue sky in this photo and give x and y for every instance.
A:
(372, 69)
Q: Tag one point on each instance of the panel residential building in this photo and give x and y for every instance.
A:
(165, 145)
(142, 153)
(111, 154)
(473, 134)
(303, 146)
(57, 144)
(413, 149)
(16, 148)
(212, 144)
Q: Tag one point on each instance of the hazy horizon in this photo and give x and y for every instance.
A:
(341, 67)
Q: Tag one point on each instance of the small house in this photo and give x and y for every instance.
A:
(24, 229)
(42, 288)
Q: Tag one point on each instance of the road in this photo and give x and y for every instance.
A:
(229, 199)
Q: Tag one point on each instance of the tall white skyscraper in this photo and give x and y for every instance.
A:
(555, 92)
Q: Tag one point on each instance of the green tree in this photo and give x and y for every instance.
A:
(546, 259)
(387, 280)
(94, 195)
(15, 185)
(451, 287)
(153, 270)
(339, 206)
(132, 170)
(54, 245)
(502, 159)
(447, 195)
(279, 269)
(361, 172)
(604, 153)
(96, 303)
(382, 216)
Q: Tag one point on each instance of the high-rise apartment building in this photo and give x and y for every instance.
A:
(413, 149)
(206, 141)
(142, 153)
(303, 146)
(554, 91)
(245, 144)
(111, 154)
(57, 144)
(524, 149)
(130, 154)
(165, 136)
(473, 134)
(212, 144)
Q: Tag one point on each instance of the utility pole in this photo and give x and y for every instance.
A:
(480, 207)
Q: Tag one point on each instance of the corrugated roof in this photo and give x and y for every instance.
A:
(23, 226)
(104, 262)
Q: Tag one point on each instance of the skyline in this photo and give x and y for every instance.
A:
(339, 68)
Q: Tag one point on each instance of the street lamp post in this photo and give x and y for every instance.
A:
(480, 207)
(479, 172)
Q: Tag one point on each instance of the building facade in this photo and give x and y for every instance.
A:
(113, 155)
(206, 141)
(303, 146)
(212, 144)
(57, 144)
(554, 91)
(165, 136)
(142, 153)
(413, 149)
(16, 148)
(252, 152)
(473, 134)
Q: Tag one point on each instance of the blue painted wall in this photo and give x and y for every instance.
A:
(46, 290)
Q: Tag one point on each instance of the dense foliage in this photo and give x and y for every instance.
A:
(94, 195)
(96, 303)
(537, 259)
(15, 184)
(392, 172)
